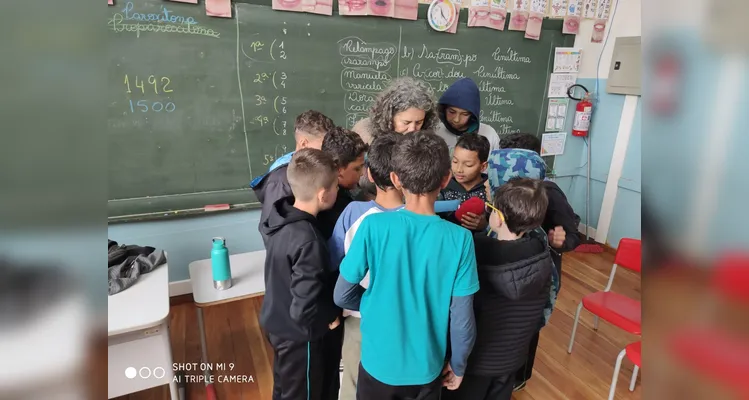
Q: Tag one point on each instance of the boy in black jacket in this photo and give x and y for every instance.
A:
(561, 224)
(514, 277)
(298, 313)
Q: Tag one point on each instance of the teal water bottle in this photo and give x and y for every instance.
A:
(220, 264)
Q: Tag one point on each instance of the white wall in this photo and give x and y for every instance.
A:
(626, 22)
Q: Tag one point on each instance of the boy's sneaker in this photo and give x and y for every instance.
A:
(519, 386)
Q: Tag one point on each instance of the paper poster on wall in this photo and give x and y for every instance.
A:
(498, 14)
(406, 9)
(558, 8)
(478, 13)
(324, 7)
(218, 8)
(571, 24)
(552, 144)
(556, 114)
(536, 19)
(599, 30)
(187, 1)
(111, 2)
(519, 17)
(588, 9)
(533, 28)
(559, 83)
(352, 7)
(567, 59)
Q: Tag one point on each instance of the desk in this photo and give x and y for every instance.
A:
(248, 280)
(138, 333)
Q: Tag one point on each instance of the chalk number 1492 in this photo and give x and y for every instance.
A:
(140, 84)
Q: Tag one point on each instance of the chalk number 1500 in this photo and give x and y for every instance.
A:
(140, 84)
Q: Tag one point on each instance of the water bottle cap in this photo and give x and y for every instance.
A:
(219, 239)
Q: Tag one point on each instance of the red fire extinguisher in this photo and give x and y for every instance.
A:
(583, 112)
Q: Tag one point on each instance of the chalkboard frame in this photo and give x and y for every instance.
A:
(192, 204)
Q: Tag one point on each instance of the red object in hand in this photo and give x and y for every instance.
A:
(473, 205)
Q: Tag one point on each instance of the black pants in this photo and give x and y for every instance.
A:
(481, 388)
(367, 387)
(525, 372)
(306, 370)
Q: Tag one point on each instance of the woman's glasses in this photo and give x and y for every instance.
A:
(489, 208)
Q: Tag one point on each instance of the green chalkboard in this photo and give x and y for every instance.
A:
(199, 105)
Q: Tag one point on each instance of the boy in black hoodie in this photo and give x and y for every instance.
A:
(514, 277)
(561, 224)
(298, 313)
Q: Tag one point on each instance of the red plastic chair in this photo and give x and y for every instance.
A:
(634, 353)
(716, 353)
(615, 308)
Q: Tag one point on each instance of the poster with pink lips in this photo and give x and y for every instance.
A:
(602, 16)
(352, 7)
(535, 19)
(478, 13)
(218, 8)
(533, 28)
(381, 8)
(324, 7)
(186, 1)
(111, 2)
(519, 15)
(406, 9)
(498, 14)
(571, 25)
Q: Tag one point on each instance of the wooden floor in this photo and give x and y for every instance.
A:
(234, 337)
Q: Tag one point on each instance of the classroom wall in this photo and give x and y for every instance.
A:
(614, 139)
(189, 239)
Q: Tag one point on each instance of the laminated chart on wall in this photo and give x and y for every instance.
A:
(519, 17)
(535, 19)
(559, 83)
(552, 144)
(567, 59)
(571, 24)
(556, 114)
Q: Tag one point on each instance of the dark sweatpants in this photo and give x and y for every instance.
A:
(368, 387)
(306, 370)
(476, 387)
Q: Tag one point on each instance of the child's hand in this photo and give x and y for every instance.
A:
(334, 324)
(449, 379)
(474, 222)
(557, 236)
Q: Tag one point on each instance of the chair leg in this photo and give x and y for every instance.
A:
(595, 323)
(616, 373)
(634, 379)
(574, 327)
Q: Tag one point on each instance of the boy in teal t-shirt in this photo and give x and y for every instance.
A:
(422, 277)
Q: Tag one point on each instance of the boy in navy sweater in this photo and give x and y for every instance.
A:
(379, 162)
